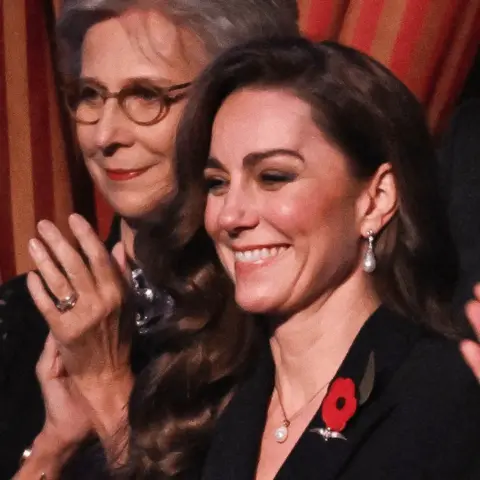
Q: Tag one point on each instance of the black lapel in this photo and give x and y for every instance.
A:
(234, 451)
(390, 338)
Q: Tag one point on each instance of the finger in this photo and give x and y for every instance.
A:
(119, 256)
(43, 301)
(69, 259)
(101, 265)
(54, 278)
(471, 352)
(63, 332)
(45, 368)
(472, 311)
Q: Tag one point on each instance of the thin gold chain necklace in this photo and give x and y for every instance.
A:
(281, 433)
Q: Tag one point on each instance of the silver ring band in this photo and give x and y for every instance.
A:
(66, 304)
(25, 456)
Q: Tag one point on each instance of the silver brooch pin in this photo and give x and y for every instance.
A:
(327, 434)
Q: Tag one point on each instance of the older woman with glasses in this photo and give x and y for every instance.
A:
(128, 66)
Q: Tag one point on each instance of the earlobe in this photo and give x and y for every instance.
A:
(382, 193)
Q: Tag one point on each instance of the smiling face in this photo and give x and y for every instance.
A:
(131, 163)
(282, 206)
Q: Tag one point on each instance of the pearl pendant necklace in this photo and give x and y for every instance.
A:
(281, 433)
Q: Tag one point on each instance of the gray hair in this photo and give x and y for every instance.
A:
(218, 24)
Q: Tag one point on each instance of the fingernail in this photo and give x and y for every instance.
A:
(34, 246)
(45, 227)
(77, 221)
(74, 217)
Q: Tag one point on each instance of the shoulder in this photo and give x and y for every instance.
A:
(434, 424)
(435, 376)
(22, 335)
(22, 327)
(435, 358)
(17, 309)
(425, 421)
(15, 286)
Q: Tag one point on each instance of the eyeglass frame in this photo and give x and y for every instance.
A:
(121, 95)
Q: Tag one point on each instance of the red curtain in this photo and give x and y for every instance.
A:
(34, 176)
(429, 44)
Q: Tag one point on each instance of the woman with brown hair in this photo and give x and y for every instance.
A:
(319, 199)
(128, 66)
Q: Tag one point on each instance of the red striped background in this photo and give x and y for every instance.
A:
(7, 260)
(37, 60)
(34, 174)
(430, 44)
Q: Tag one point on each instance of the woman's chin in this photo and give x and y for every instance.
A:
(135, 203)
(134, 210)
(259, 305)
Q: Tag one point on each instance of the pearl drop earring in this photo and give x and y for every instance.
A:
(369, 260)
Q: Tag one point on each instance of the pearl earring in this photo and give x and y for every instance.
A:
(369, 260)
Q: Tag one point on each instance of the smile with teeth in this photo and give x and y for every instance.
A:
(258, 254)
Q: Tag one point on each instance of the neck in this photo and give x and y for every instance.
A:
(127, 237)
(309, 346)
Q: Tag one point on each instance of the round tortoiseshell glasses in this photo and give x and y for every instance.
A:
(141, 102)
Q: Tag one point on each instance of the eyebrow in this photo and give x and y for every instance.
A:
(161, 81)
(256, 157)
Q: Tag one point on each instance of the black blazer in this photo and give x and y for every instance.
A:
(422, 420)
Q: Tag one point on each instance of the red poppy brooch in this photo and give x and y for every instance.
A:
(341, 403)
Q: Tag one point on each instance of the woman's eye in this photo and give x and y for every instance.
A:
(89, 94)
(215, 185)
(145, 94)
(276, 178)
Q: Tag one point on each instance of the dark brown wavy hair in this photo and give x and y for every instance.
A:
(370, 116)
(201, 353)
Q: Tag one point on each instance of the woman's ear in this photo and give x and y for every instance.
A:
(379, 200)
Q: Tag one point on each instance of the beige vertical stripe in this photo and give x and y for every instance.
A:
(468, 27)
(350, 22)
(305, 10)
(389, 25)
(61, 180)
(19, 130)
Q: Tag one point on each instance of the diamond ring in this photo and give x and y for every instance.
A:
(67, 303)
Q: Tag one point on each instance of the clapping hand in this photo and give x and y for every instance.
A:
(85, 320)
(66, 422)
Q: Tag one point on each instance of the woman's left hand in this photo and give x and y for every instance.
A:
(86, 325)
(469, 348)
(66, 424)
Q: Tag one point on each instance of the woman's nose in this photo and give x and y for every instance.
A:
(238, 212)
(113, 129)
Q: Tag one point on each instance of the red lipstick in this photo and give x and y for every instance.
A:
(120, 175)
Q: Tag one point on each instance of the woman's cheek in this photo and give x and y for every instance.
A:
(210, 216)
